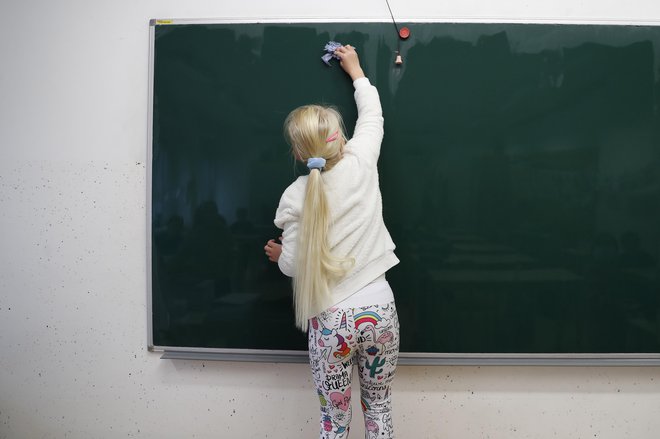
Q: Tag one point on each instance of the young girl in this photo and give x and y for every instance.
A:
(337, 249)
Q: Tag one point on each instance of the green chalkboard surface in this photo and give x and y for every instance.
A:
(520, 175)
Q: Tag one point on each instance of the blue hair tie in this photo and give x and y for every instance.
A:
(316, 163)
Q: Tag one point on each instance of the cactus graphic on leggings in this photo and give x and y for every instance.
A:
(373, 367)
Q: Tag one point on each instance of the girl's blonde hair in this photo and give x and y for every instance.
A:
(310, 131)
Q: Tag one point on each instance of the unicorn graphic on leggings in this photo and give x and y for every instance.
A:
(372, 429)
(334, 342)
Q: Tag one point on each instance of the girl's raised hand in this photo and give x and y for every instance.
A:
(349, 61)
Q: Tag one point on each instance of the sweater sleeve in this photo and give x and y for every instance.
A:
(287, 259)
(287, 219)
(368, 133)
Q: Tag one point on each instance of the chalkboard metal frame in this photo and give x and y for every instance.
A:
(405, 358)
(423, 359)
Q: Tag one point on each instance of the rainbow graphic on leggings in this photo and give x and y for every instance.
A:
(364, 404)
(367, 317)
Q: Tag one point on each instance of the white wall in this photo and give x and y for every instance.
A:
(73, 331)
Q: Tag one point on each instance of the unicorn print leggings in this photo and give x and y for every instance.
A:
(341, 337)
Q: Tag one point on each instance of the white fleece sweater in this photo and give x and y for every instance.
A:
(357, 229)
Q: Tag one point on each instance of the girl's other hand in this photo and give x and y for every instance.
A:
(349, 61)
(273, 250)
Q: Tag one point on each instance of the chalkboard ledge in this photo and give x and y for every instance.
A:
(425, 359)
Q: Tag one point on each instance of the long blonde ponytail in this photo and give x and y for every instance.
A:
(311, 132)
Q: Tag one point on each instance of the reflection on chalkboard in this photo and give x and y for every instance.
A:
(520, 174)
(213, 281)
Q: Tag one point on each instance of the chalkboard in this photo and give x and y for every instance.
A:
(520, 174)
